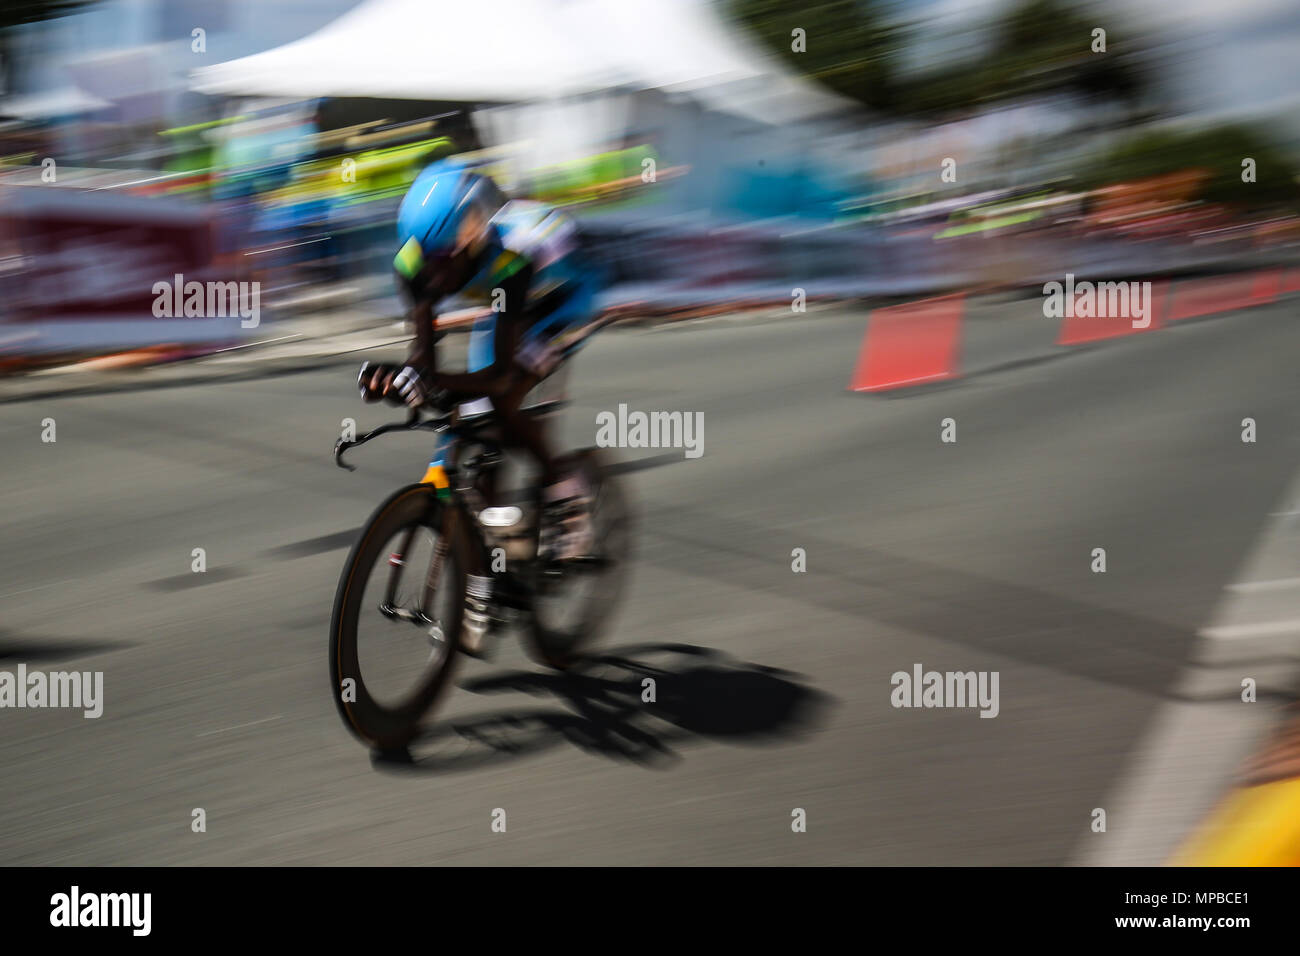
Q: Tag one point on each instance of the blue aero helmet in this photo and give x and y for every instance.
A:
(430, 217)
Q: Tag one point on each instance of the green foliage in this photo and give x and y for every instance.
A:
(850, 47)
(1219, 150)
(856, 48)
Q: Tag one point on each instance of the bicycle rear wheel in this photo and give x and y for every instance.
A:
(397, 617)
(571, 610)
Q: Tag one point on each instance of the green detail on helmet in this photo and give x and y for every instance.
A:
(409, 259)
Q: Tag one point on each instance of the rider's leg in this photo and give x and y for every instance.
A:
(523, 430)
(566, 491)
(506, 379)
(504, 382)
(566, 526)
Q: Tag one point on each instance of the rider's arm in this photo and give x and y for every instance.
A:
(423, 354)
(402, 383)
(508, 329)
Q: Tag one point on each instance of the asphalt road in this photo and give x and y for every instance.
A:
(773, 686)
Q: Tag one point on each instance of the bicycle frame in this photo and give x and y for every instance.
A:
(455, 477)
(531, 590)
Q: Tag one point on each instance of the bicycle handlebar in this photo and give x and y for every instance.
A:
(413, 422)
(442, 419)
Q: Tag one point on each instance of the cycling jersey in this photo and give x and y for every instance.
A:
(536, 240)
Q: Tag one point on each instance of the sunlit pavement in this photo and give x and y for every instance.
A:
(773, 686)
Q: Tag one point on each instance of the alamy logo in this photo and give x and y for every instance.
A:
(103, 909)
(1103, 300)
(637, 429)
(949, 689)
(208, 300)
(74, 689)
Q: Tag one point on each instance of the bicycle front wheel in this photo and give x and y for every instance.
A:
(397, 617)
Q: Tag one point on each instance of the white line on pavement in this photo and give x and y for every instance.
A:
(1277, 584)
(1289, 626)
(252, 723)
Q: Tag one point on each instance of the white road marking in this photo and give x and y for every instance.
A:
(1277, 584)
(253, 723)
(1290, 626)
(296, 335)
(37, 587)
(1191, 751)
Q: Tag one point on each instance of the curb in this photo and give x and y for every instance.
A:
(123, 372)
(1258, 822)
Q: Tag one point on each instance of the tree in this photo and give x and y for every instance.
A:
(1217, 150)
(851, 47)
(1039, 47)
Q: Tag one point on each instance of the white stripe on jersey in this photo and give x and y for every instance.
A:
(535, 230)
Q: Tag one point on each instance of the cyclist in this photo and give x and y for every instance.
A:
(458, 237)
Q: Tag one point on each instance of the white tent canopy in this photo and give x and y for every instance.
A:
(66, 101)
(509, 51)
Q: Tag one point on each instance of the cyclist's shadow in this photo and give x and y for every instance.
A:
(629, 705)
